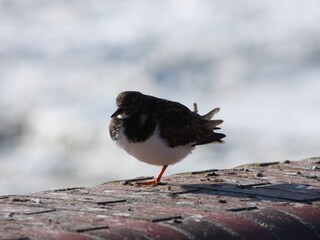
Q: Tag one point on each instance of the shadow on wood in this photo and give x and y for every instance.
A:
(279, 200)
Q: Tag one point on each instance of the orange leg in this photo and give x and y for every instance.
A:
(157, 180)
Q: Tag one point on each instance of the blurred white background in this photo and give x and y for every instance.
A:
(62, 63)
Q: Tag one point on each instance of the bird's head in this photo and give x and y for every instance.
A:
(128, 103)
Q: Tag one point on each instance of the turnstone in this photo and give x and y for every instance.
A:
(159, 131)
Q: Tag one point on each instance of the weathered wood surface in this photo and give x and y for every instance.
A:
(279, 200)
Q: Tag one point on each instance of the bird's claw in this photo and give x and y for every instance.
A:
(153, 182)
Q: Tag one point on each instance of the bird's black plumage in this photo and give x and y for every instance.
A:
(177, 124)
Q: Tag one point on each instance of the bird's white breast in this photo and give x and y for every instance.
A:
(154, 150)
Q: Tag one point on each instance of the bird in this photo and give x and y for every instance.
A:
(159, 131)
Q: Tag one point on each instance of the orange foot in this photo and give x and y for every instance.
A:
(151, 182)
(156, 181)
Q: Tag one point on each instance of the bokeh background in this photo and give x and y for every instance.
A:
(62, 63)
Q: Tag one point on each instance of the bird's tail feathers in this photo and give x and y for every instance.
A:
(211, 114)
(212, 138)
(212, 124)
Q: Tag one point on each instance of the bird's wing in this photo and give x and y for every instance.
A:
(178, 125)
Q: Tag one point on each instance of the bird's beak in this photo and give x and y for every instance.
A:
(120, 114)
(117, 113)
